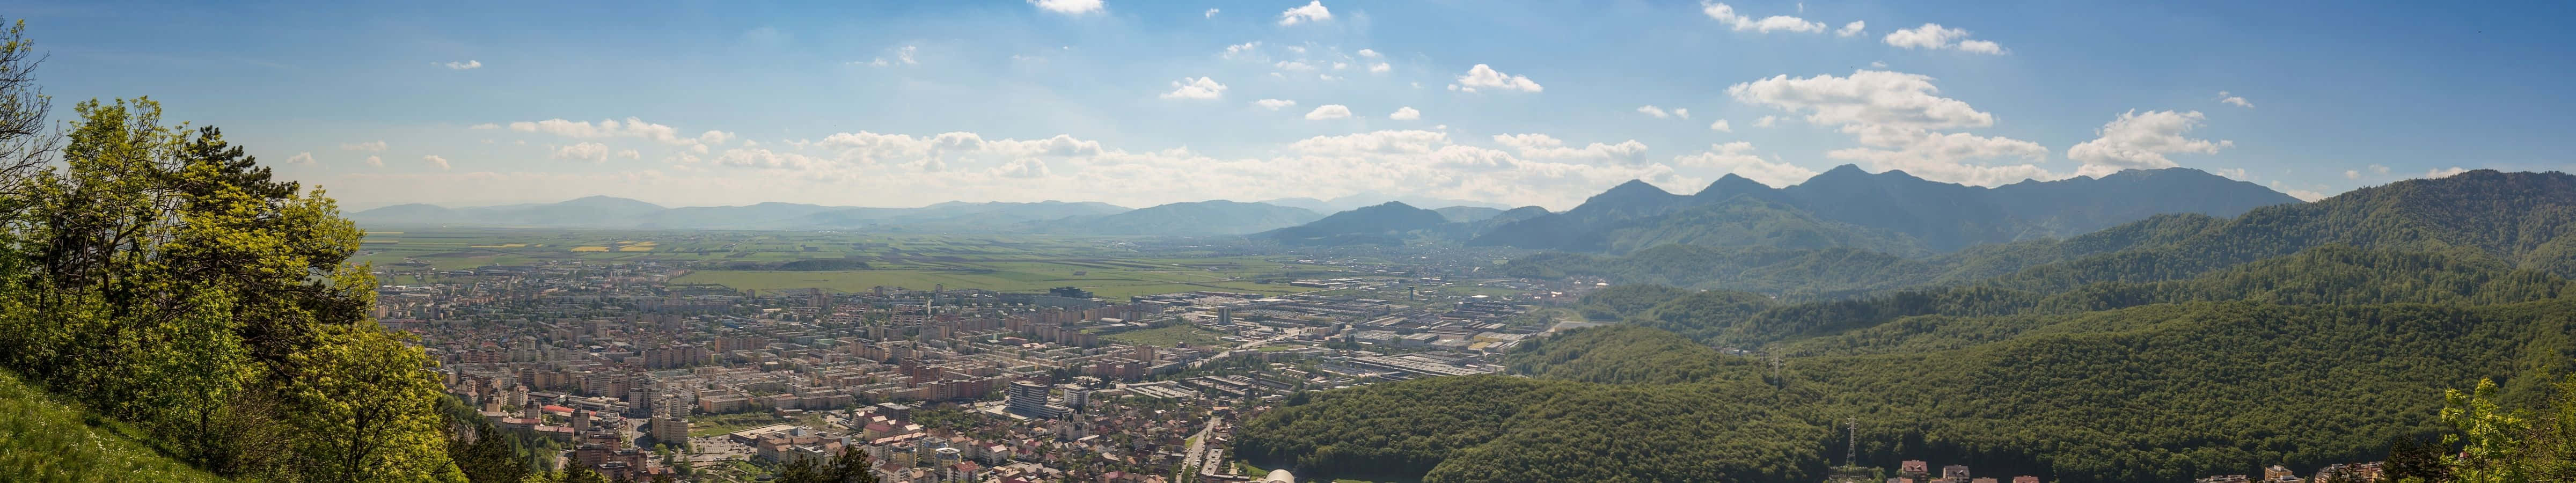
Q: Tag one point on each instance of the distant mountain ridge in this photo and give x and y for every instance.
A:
(1888, 211)
(1195, 218)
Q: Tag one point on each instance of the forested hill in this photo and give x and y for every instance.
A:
(2520, 219)
(1893, 209)
(2182, 381)
(2164, 350)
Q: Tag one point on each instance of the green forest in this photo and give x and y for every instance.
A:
(2164, 350)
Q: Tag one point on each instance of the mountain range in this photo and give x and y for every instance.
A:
(2167, 348)
(1198, 218)
(1889, 211)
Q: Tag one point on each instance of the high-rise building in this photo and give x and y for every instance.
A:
(1076, 397)
(1030, 399)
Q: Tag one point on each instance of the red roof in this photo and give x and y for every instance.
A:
(556, 409)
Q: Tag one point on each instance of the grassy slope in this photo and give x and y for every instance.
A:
(45, 439)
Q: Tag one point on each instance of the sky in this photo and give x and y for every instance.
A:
(1139, 103)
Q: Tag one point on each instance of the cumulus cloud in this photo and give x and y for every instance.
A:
(1293, 66)
(2351, 174)
(1328, 111)
(2140, 141)
(1651, 110)
(1068, 7)
(1274, 104)
(1486, 77)
(1405, 113)
(1211, 13)
(1852, 29)
(1314, 11)
(1898, 118)
(2444, 173)
(1245, 48)
(300, 159)
(376, 161)
(1766, 121)
(592, 152)
(1721, 126)
(1368, 53)
(2379, 170)
(469, 64)
(2238, 101)
(1549, 147)
(1737, 158)
(1379, 68)
(369, 146)
(434, 160)
(1726, 15)
(1932, 36)
(1200, 88)
(715, 137)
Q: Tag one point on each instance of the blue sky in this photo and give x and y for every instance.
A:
(905, 103)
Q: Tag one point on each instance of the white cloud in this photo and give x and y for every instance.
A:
(376, 161)
(1897, 118)
(1651, 110)
(1721, 126)
(716, 137)
(1313, 12)
(484, 126)
(1681, 113)
(1242, 48)
(2379, 170)
(2140, 141)
(1737, 158)
(1274, 104)
(1766, 121)
(1328, 111)
(434, 160)
(1293, 66)
(905, 54)
(1549, 147)
(1854, 28)
(1726, 14)
(1328, 77)
(1867, 97)
(300, 159)
(592, 152)
(632, 128)
(2351, 174)
(1211, 13)
(1379, 68)
(630, 154)
(1878, 64)
(369, 146)
(1200, 88)
(2444, 173)
(1485, 76)
(1368, 53)
(469, 64)
(1933, 37)
(2302, 195)
(2238, 101)
(1068, 7)
(1341, 65)
(1405, 113)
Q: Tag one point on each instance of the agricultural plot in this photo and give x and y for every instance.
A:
(765, 260)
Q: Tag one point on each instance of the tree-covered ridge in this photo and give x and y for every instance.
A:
(2155, 393)
(2521, 219)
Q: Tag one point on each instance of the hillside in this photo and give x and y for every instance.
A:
(1386, 224)
(46, 439)
(1195, 218)
(1895, 208)
(2162, 350)
(2520, 219)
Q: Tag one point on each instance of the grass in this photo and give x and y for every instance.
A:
(1169, 336)
(44, 439)
(720, 424)
(1109, 268)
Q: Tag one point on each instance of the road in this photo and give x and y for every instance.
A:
(1245, 347)
(1198, 448)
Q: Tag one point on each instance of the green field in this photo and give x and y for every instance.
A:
(751, 260)
(1170, 337)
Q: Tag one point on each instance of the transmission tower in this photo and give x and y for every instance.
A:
(1851, 446)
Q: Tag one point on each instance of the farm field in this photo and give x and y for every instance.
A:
(761, 260)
